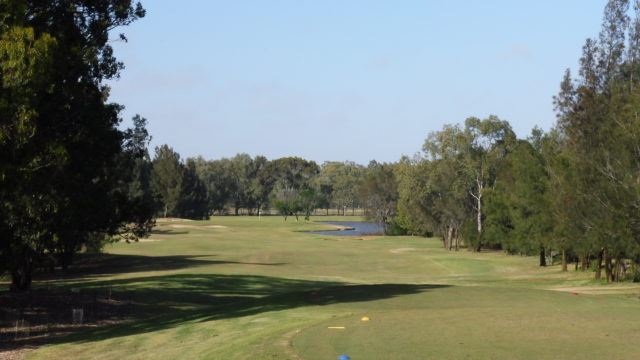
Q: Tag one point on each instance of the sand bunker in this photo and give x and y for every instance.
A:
(401, 250)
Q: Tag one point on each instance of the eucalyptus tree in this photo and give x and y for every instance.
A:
(290, 176)
(261, 184)
(242, 172)
(477, 152)
(379, 193)
(218, 182)
(339, 179)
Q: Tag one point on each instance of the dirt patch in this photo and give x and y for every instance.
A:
(171, 220)
(401, 250)
(371, 237)
(599, 290)
(180, 226)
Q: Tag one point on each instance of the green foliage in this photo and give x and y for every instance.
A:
(444, 192)
(167, 180)
(519, 219)
(337, 181)
(594, 171)
(178, 188)
(379, 193)
(308, 201)
(193, 197)
(217, 180)
(65, 167)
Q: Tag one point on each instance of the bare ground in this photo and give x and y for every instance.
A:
(401, 250)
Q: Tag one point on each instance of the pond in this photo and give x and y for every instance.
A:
(355, 228)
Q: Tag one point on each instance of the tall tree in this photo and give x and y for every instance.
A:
(290, 176)
(59, 138)
(598, 135)
(167, 180)
(379, 193)
(518, 218)
(338, 179)
(217, 180)
(478, 151)
(194, 202)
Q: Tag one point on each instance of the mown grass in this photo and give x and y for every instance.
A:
(262, 289)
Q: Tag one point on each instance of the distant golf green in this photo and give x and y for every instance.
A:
(249, 288)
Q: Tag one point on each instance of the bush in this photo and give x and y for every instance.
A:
(395, 229)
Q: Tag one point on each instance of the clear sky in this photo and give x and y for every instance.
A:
(343, 79)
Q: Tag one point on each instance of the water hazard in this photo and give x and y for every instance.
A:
(355, 228)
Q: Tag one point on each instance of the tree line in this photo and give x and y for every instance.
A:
(573, 191)
(197, 188)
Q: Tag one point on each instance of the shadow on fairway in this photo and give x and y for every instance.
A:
(105, 264)
(157, 231)
(161, 300)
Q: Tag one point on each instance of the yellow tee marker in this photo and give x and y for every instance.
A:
(365, 318)
(336, 327)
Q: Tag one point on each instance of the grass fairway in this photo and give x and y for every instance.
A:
(243, 288)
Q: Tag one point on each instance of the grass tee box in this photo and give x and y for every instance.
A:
(249, 288)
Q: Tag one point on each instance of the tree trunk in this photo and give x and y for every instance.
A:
(599, 265)
(619, 269)
(607, 265)
(166, 210)
(455, 234)
(564, 260)
(543, 257)
(585, 262)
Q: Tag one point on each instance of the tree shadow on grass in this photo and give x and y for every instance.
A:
(44, 314)
(168, 301)
(157, 231)
(88, 266)
(152, 303)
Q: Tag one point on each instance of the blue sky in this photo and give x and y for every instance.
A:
(343, 79)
